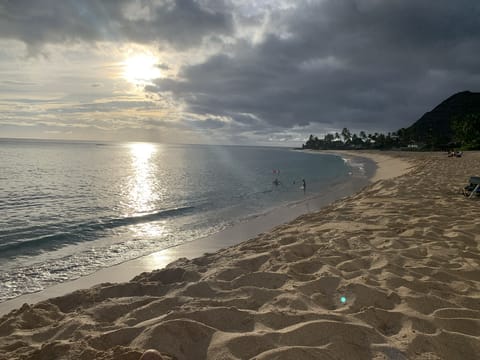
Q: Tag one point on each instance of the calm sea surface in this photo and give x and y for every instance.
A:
(68, 209)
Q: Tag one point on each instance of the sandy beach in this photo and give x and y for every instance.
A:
(392, 272)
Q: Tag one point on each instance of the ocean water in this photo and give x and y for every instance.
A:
(71, 208)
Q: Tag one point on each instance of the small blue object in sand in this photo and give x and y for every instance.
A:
(343, 299)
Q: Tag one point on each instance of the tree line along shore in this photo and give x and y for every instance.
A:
(453, 124)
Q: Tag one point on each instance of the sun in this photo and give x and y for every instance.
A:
(141, 69)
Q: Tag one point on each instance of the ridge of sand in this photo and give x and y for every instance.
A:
(404, 253)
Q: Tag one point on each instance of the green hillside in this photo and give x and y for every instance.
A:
(436, 127)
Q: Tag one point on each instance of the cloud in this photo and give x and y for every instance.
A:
(243, 70)
(180, 23)
(358, 63)
(207, 124)
(163, 66)
(107, 106)
(17, 83)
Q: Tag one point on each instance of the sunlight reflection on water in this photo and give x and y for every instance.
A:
(152, 230)
(142, 194)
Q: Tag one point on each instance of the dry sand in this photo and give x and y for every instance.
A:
(404, 253)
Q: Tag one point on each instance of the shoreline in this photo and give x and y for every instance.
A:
(240, 232)
(389, 272)
(389, 165)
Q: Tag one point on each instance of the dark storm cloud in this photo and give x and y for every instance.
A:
(369, 64)
(181, 23)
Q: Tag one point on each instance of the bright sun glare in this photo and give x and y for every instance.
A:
(141, 69)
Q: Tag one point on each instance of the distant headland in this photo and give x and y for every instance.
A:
(454, 123)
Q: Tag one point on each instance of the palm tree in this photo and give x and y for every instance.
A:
(363, 136)
(328, 138)
(346, 135)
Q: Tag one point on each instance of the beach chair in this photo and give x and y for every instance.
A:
(473, 188)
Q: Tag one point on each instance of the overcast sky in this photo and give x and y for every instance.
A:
(229, 71)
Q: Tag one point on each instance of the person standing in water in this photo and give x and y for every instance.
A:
(304, 185)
